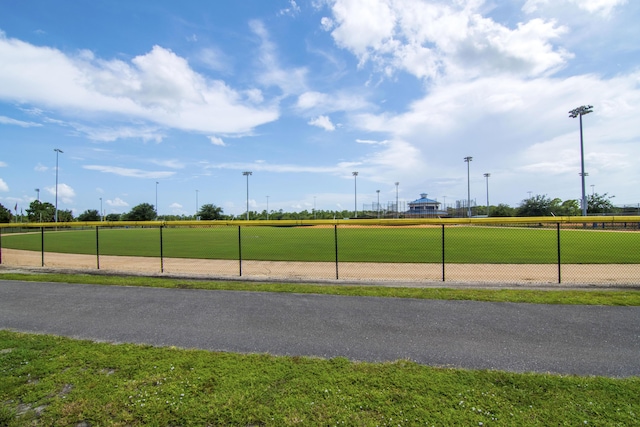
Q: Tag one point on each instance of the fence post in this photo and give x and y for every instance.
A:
(335, 239)
(443, 252)
(97, 248)
(161, 253)
(559, 268)
(42, 244)
(240, 249)
(0, 245)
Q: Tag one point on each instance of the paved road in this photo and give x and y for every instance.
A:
(584, 340)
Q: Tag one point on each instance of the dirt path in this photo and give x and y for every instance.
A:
(600, 276)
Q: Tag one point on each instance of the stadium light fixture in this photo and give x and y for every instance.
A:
(579, 112)
(468, 161)
(58, 151)
(247, 173)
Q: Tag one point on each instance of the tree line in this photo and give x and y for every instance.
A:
(539, 205)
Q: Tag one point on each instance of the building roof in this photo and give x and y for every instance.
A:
(424, 200)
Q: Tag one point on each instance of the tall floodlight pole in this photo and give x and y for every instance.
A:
(157, 198)
(593, 190)
(37, 194)
(58, 151)
(487, 175)
(378, 191)
(247, 173)
(579, 112)
(355, 191)
(314, 207)
(197, 206)
(267, 208)
(468, 161)
(397, 207)
(100, 208)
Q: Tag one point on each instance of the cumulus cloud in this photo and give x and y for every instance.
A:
(157, 87)
(3, 186)
(117, 202)
(435, 39)
(323, 122)
(217, 141)
(65, 192)
(133, 173)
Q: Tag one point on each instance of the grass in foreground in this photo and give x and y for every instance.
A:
(617, 298)
(51, 381)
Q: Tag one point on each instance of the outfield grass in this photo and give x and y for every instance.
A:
(367, 244)
(53, 381)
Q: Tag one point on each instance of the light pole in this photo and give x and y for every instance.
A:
(378, 191)
(247, 173)
(37, 194)
(579, 112)
(58, 151)
(397, 207)
(468, 161)
(314, 207)
(593, 190)
(101, 209)
(487, 175)
(157, 198)
(355, 189)
(267, 208)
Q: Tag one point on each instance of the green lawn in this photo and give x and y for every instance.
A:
(371, 244)
(56, 381)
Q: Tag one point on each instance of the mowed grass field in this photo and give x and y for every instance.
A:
(463, 244)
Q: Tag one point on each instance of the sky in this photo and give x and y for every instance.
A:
(172, 101)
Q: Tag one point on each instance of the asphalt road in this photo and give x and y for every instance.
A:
(583, 340)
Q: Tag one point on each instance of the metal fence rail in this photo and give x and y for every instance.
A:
(491, 250)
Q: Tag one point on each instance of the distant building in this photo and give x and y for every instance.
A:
(424, 208)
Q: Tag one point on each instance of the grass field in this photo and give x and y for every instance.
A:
(366, 244)
(54, 381)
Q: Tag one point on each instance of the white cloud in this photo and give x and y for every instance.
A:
(65, 192)
(324, 103)
(40, 168)
(9, 121)
(158, 87)
(3, 164)
(175, 206)
(134, 173)
(173, 163)
(117, 202)
(433, 40)
(3, 186)
(599, 7)
(217, 141)
(292, 10)
(371, 142)
(323, 122)
(289, 81)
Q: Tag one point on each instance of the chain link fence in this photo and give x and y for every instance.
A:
(585, 250)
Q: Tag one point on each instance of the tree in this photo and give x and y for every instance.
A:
(599, 203)
(502, 210)
(5, 214)
(141, 212)
(569, 207)
(113, 217)
(209, 212)
(65, 216)
(535, 206)
(89, 215)
(41, 212)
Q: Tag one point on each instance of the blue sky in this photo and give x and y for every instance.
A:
(190, 94)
